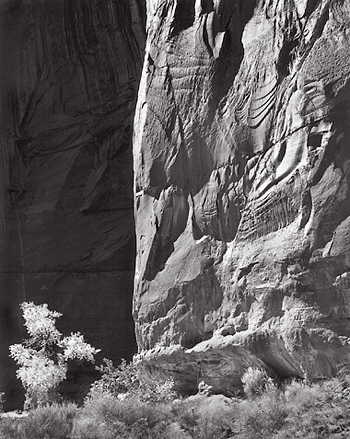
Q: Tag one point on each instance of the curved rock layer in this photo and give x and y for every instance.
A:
(69, 76)
(242, 164)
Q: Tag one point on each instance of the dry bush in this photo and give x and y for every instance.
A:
(255, 381)
(262, 416)
(119, 418)
(199, 420)
(10, 429)
(91, 428)
(316, 410)
(50, 422)
(124, 381)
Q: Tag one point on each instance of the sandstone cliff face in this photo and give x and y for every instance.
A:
(242, 160)
(69, 75)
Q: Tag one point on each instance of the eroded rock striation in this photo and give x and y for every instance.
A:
(69, 77)
(242, 159)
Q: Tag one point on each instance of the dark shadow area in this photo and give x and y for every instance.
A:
(69, 77)
(231, 19)
(184, 16)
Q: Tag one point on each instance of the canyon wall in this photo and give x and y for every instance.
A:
(242, 160)
(69, 75)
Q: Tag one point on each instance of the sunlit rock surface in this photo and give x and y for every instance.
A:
(241, 154)
(69, 77)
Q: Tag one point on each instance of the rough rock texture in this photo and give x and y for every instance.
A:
(242, 162)
(69, 77)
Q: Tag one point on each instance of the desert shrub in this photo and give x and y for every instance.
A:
(129, 411)
(316, 410)
(186, 415)
(120, 418)
(174, 431)
(124, 381)
(50, 422)
(86, 427)
(44, 355)
(157, 390)
(10, 429)
(115, 380)
(255, 381)
(343, 375)
(197, 420)
(125, 405)
(212, 427)
(301, 410)
(301, 395)
(262, 416)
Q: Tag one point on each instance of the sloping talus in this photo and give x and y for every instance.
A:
(242, 162)
(69, 77)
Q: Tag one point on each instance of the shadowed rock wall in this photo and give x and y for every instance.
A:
(69, 78)
(242, 161)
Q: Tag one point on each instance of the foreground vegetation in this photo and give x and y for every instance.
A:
(126, 404)
(297, 410)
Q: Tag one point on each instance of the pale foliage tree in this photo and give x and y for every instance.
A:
(43, 356)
